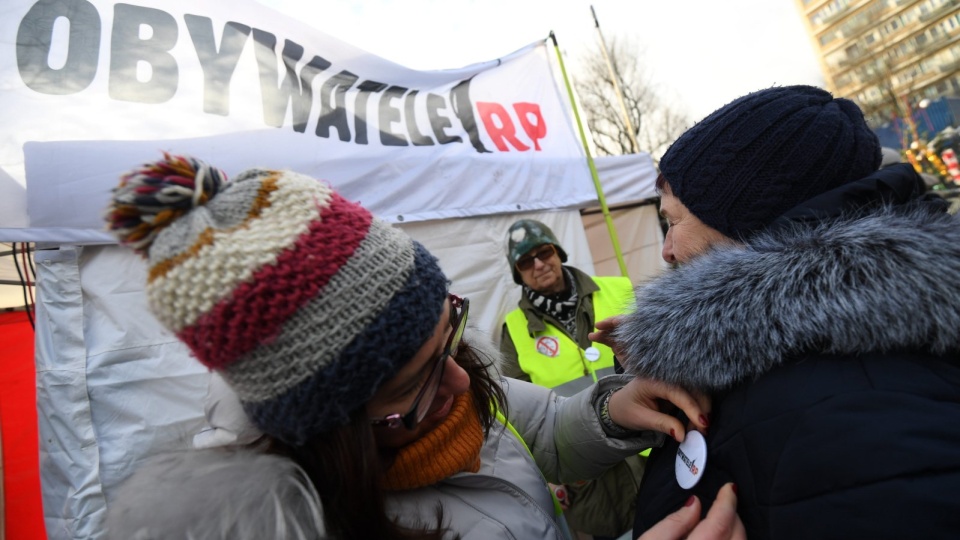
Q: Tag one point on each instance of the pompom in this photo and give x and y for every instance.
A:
(151, 197)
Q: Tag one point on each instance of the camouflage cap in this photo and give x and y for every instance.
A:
(527, 234)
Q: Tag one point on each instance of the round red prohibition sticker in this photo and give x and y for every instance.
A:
(691, 460)
(548, 346)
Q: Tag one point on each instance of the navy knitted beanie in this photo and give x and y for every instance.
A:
(757, 157)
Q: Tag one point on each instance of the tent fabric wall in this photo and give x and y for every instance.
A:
(629, 178)
(114, 387)
(640, 237)
(65, 201)
(629, 186)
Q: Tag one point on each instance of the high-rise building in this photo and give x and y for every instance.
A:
(887, 55)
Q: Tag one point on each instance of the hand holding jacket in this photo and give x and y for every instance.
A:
(637, 407)
(721, 523)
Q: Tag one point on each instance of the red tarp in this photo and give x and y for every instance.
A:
(18, 430)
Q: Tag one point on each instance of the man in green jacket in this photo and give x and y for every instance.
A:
(545, 341)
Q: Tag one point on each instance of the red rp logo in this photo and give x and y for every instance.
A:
(548, 346)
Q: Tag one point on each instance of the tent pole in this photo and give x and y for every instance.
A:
(616, 85)
(593, 168)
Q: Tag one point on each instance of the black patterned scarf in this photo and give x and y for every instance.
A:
(561, 306)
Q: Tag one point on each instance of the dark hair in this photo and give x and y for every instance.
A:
(346, 468)
(660, 183)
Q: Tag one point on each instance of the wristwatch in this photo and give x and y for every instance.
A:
(609, 426)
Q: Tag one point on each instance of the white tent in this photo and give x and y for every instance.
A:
(112, 386)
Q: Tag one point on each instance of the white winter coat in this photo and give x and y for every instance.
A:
(199, 492)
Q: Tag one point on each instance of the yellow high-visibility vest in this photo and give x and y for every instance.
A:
(554, 360)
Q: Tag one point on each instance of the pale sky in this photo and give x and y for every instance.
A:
(702, 53)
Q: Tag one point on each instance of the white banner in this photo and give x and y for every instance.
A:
(92, 88)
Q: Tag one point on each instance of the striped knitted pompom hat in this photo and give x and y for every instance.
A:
(302, 300)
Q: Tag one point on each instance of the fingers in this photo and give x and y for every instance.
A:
(635, 407)
(602, 338)
(722, 521)
(678, 524)
(695, 406)
(609, 324)
(639, 419)
(669, 425)
(562, 494)
(604, 333)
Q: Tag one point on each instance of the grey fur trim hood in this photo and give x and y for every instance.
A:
(881, 282)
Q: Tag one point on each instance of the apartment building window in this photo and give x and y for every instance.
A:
(871, 72)
(853, 51)
(898, 52)
(831, 10)
(951, 54)
(836, 6)
(871, 94)
(828, 37)
(913, 72)
(867, 17)
(948, 87)
(836, 60)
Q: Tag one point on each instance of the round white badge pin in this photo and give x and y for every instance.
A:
(592, 353)
(691, 459)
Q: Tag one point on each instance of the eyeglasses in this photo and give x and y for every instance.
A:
(421, 405)
(543, 253)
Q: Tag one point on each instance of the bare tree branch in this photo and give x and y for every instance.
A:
(656, 122)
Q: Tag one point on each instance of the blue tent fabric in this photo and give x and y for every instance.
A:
(931, 120)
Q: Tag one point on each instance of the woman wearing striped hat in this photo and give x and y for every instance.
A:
(341, 341)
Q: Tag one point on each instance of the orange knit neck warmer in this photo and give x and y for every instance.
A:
(452, 447)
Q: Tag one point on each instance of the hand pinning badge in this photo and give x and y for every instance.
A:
(691, 459)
